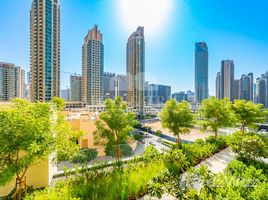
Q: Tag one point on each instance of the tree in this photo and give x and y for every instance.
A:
(217, 113)
(115, 124)
(29, 133)
(247, 113)
(177, 117)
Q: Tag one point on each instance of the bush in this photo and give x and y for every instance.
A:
(158, 132)
(150, 151)
(138, 136)
(175, 161)
(248, 145)
(85, 155)
(201, 149)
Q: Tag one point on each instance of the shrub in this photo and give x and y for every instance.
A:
(201, 149)
(151, 152)
(248, 145)
(175, 161)
(85, 155)
(158, 132)
(138, 136)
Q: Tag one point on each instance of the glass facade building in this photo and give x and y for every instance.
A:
(201, 71)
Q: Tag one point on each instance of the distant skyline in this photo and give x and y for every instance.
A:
(236, 30)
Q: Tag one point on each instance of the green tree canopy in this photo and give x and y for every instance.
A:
(29, 133)
(115, 124)
(216, 113)
(247, 113)
(177, 117)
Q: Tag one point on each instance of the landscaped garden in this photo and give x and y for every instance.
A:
(131, 180)
(156, 173)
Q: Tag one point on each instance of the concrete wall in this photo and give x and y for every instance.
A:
(39, 175)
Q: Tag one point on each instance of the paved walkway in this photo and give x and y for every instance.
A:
(217, 163)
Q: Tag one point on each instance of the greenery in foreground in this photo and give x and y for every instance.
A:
(131, 182)
(29, 134)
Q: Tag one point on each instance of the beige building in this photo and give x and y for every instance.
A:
(136, 70)
(92, 67)
(12, 82)
(227, 79)
(45, 49)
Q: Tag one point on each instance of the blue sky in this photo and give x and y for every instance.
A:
(232, 29)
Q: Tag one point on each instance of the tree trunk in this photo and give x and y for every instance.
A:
(20, 185)
(243, 128)
(179, 141)
(216, 133)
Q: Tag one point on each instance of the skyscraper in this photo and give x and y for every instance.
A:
(92, 67)
(28, 85)
(227, 79)
(109, 82)
(75, 86)
(246, 87)
(65, 94)
(201, 71)
(121, 86)
(262, 89)
(136, 70)
(236, 89)
(45, 49)
(218, 85)
(180, 96)
(12, 82)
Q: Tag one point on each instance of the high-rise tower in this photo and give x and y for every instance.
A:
(201, 71)
(92, 67)
(136, 70)
(45, 49)
(227, 79)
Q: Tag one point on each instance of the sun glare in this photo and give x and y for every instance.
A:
(152, 14)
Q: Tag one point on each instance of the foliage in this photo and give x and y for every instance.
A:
(138, 126)
(138, 136)
(115, 124)
(30, 132)
(152, 173)
(150, 151)
(217, 113)
(125, 149)
(177, 117)
(247, 113)
(239, 181)
(61, 191)
(175, 161)
(85, 155)
(201, 149)
(158, 132)
(248, 145)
